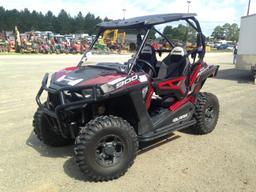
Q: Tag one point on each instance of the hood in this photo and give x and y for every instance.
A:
(98, 74)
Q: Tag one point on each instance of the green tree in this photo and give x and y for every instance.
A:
(2, 19)
(228, 32)
(78, 23)
(218, 32)
(91, 22)
(152, 34)
(48, 24)
(234, 32)
(12, 19)
(106, 19)
(168, 31)
(179, 33)
(63, 23)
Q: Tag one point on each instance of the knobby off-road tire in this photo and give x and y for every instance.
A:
(45, 133)
(206, 113)
(98, 143)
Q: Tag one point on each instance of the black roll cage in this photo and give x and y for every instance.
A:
(194, 24)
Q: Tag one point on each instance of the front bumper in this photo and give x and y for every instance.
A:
(65, 104)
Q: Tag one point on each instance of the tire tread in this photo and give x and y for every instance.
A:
(92, 128)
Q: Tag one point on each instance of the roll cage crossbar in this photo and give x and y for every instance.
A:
(147, 23)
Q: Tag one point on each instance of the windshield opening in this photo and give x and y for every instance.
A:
(132, 44)
(124, 42)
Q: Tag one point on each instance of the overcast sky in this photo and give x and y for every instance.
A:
(210, 13)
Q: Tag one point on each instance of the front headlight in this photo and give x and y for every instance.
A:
(81, 94)
(106, 88)
(87, 93)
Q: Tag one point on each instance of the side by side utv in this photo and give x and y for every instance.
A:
(108, 108)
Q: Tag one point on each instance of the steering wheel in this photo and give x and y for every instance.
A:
(149, 65)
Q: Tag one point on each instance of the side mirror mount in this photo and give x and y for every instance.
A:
(85, 58)
(88, 54)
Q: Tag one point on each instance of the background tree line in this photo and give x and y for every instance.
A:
(63, 23)
(229, 32)
(181, 32)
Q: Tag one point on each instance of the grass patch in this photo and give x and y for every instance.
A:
(9, 53)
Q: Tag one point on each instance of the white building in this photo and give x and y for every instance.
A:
(246, 58)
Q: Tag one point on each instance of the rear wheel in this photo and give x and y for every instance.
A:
(105, 148)
(207, 113)
(43, 129)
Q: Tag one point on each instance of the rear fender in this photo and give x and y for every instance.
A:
(205, 72)
(202, 74)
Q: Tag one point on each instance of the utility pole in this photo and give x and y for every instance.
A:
(124, 10)
(188, 4)
(248, 10)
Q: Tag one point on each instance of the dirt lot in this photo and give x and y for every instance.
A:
(224, 160)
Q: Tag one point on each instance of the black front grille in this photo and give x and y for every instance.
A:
(53, 100)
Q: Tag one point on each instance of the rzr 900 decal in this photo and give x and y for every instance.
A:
(126, 81)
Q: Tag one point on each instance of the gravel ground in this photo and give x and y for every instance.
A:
(224, 160)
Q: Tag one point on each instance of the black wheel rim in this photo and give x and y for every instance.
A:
(209, 114)
(109, 150)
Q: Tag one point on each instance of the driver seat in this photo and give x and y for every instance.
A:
(148, 54)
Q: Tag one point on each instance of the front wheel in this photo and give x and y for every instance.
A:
(43, 129)
(105, 148)
(207, 113)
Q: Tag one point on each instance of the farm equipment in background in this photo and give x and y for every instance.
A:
(11, 46)
(113, 39)
(3, 45)
(3, 42)
(17, 40)
(29, 47)
(75, 47)
(59, 48)
(44, 48)
(46, 42)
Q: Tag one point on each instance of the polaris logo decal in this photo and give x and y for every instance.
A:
(69, 80)
(180, 118)
(126, 81)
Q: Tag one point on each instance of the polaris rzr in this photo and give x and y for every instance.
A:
(108, 108)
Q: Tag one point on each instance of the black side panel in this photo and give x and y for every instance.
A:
(145, 124)
(164, 117)
(172, 121)
(167, 117)
(166, 130)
